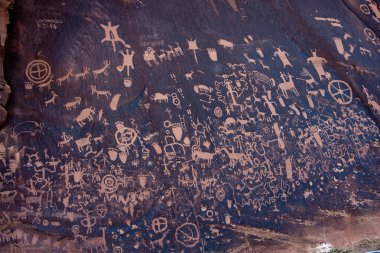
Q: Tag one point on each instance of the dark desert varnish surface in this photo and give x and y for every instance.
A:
(190, 126)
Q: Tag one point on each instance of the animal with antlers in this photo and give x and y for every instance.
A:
(82, 75)
(287, 86)
(98, 93)
(95, 243)
(66, 77)
(103, 70)
(309, 81)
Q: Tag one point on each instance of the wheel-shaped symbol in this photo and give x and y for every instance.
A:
(187, 234)
(340, 91)
(369, 34)
(159, 224)
(364, 8)
(38, 71)
(109, 183)
(125, 136)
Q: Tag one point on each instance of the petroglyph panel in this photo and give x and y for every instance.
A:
(190, 126)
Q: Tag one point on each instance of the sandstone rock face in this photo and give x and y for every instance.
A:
(189, 126)
(4, 88)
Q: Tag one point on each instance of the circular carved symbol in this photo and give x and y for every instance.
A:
(38, 71)
(218, 112)
(159, 224)
(369, 34)
(75, 229)
(45, 222)
(109, 183)
(101, 210)
(125, 136)
(364, 8)
(187, 234)
(117, 249)
(340, 91)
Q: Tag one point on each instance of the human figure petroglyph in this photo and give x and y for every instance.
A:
(89, 222)
(230, 91)
(283, 56)
(127, 60)
(318, 65)
(200, 127)
(111, 35)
